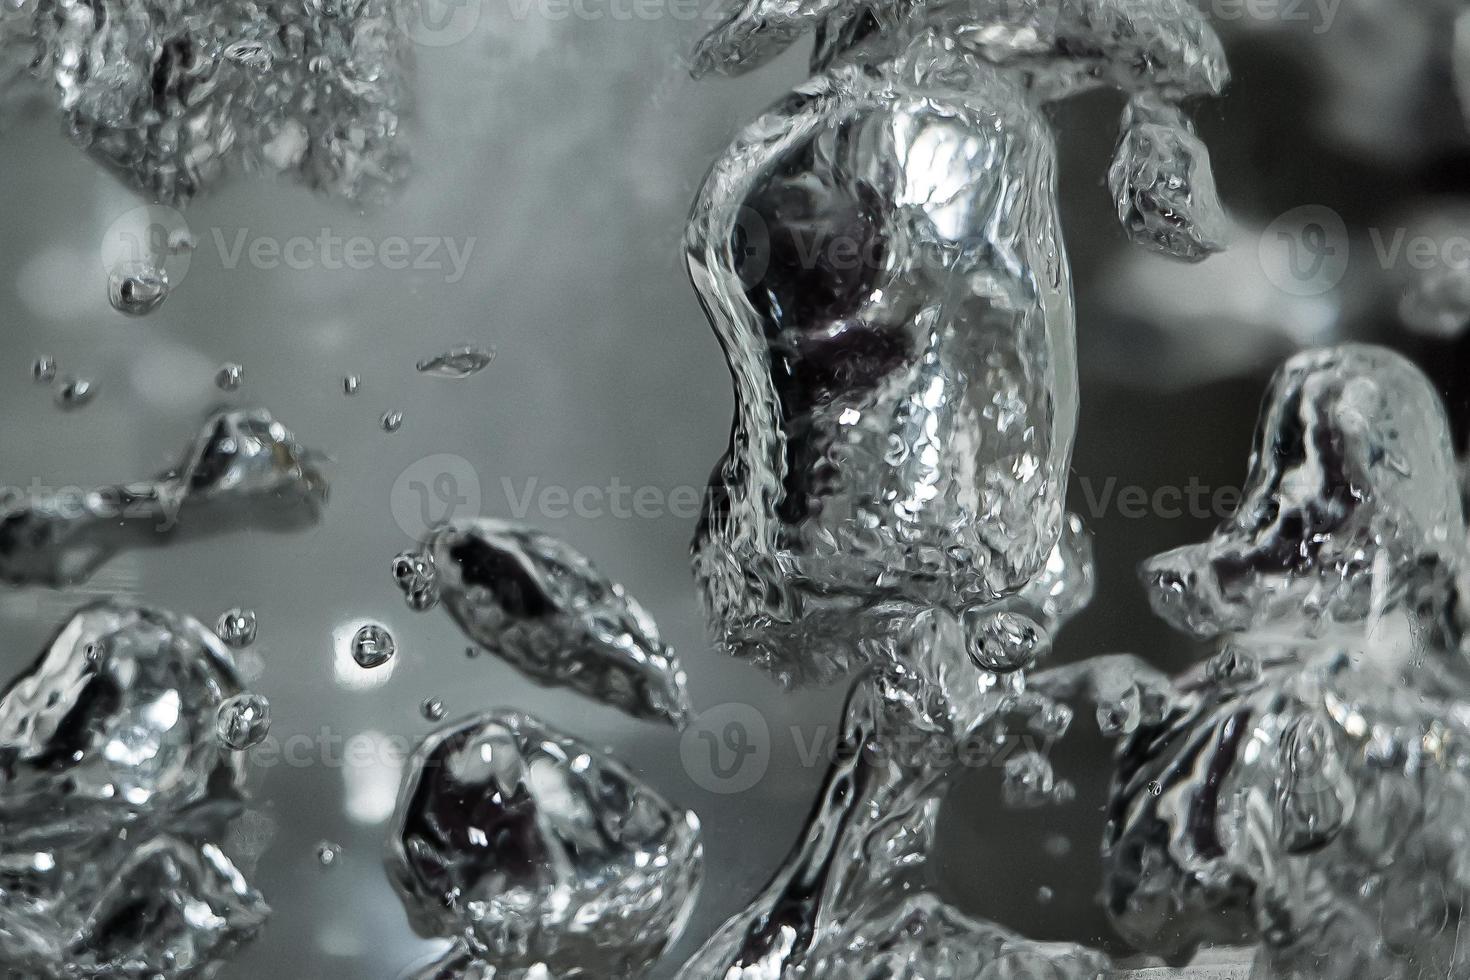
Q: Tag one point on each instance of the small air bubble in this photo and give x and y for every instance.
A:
(236, 627)
(137, 289)
(373, 646)
(228, 377)
(75, 393)
(328, 854)
(243, 721)
(432, 709)
(392, 421)
(43, 369)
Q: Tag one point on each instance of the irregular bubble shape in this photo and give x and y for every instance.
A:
(113, 794)
(1029, 781)
(1306, 788)
(536, 603)
(237, 627)
(227, 378)
(372, 646)
(1125, 691)
(115, 721)
(175, 94)
(137, 290)
(1066, 45)
(458, 363)
(328, 854)
(391, 421)
(1352, 478)
(1257, 809)
(74, 393)
(905, 398)
(243, 721)
(432, 709)
(244, 469)
(43, 369)
(1004, 642)
(538, 852)
(169, 908)
(351, 385)
(851, 896)
(1162, 183)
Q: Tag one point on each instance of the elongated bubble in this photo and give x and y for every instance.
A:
(536, 603)
(243, 469)
(880, 256)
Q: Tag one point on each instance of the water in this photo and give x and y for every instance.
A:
(119, 792)
(458, 363)
(243, 468)
(227, 378)
(75, 393)
(289, 79)
(567, 859)
(328, 854)
(373, 646)
(244, 721)
(237, 627)
(137, 289)
(539, 605)
(882, 425)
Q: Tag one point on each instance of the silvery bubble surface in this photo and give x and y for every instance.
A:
(904, 419)
(373, 646)
(115, 795)
(461, 362)
(176, 94)
(1306, 787)
(541, 606)
(243, 469)
(540, 853)
(1353, 477)
(852, 899)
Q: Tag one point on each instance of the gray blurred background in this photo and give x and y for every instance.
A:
(568, 149)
